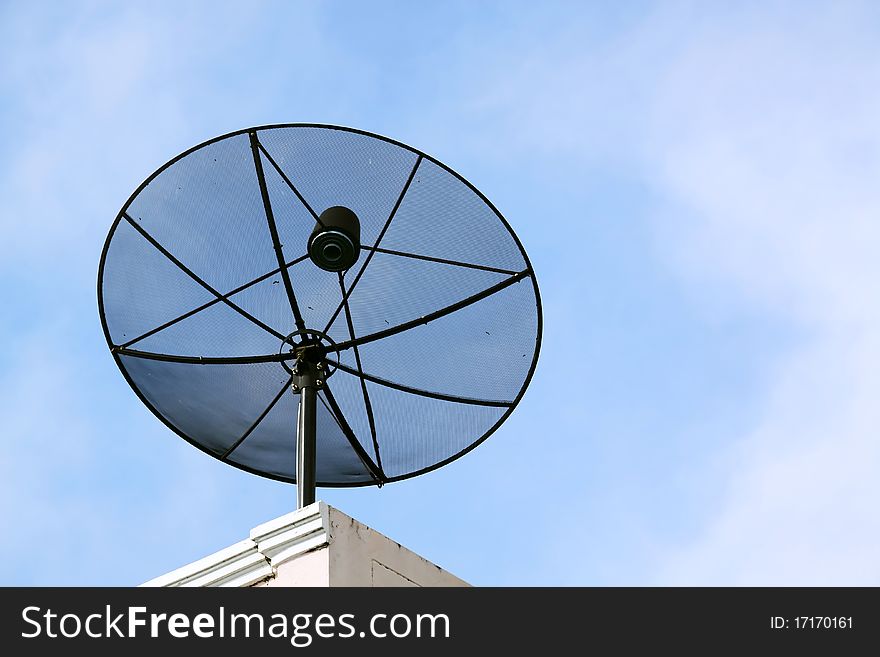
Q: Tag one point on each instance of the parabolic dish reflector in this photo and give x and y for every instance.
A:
(208, 294)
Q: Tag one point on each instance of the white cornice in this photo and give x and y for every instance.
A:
(256, 558)
(284, 538)
(237, 565)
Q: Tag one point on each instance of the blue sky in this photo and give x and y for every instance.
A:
(696, 186)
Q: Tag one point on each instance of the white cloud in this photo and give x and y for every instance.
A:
(757, 129)
(85, 90)
(103, 94)
(765, 137)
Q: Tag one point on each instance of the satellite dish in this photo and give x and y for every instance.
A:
(319, 305)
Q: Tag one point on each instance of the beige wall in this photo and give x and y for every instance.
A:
(357, 555)
(314, 546)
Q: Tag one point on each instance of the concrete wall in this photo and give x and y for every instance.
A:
(314, 546)
(361, 556)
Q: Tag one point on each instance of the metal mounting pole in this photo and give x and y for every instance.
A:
(306, 380)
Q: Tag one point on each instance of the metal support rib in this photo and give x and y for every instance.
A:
(444, 261)
(290, 184)
(375, 471)
(430, 317)
(420, 392)
(203, 360)
(186, 270)
(205, 306)
(256, 422)
(342, 346)
(357, 358)
(273, 230)
(347, 293)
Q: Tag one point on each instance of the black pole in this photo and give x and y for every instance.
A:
(305, 382)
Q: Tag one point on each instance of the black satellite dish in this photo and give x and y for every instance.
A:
(319, 305)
